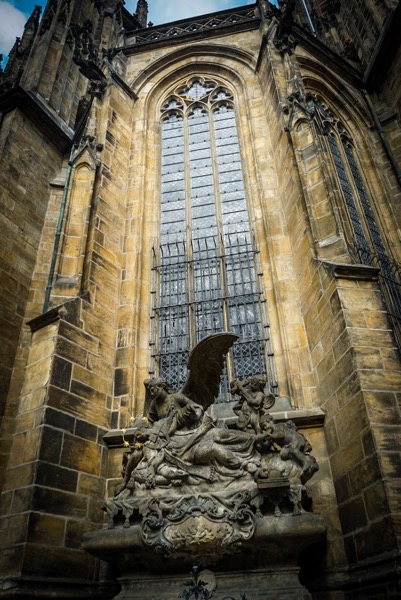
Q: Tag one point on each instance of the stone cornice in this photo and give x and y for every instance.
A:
(357, 272)
(304, 418)
(212, 25)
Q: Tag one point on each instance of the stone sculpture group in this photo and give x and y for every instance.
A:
(198, 485)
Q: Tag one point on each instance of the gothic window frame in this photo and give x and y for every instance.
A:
(362, 225)
(176, 104)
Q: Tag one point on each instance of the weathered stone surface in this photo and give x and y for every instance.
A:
(64, 386)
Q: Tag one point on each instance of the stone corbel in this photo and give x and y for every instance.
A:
(356, 272)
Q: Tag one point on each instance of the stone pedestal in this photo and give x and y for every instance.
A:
(265, 567)
(253, 585)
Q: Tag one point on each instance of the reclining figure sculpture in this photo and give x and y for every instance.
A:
(188, 477)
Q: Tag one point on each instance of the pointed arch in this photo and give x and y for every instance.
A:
(198, 53)
(367, 242)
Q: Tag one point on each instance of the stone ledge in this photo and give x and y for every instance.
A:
(68, 310)
(68, 589)
(51, 316)
(351, 271)
(274, 537)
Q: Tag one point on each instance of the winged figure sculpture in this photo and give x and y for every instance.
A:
(205, 366)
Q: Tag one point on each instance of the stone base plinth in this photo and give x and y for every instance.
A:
(282, 584)
(264, 567)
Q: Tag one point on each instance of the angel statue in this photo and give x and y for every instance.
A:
(184, 410)
(184, 433)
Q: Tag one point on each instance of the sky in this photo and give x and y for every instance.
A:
(14, 13)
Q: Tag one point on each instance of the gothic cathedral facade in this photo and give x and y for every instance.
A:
(239, 171)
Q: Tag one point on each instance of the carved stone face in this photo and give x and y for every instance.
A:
(266, 423)
(257, 383)
(157, 391)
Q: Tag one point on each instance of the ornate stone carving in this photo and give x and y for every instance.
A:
(97, 87)
(196, 486)
(64, 11)
(206, 527)
(85, 55)
(285, 16)
(51, 10)
(79, 38)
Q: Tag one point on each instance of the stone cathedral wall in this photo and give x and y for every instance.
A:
(25, 172)
(79, 368)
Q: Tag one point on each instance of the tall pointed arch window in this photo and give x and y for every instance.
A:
(205, 264)
(367, 241)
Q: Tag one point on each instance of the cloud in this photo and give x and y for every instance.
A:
(12, 23)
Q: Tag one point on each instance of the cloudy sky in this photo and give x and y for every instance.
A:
(13, 13)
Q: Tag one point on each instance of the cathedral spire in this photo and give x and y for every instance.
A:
(32, 23)
(142, 12)
(21, 48)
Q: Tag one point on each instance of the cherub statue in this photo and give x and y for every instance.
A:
(292, 443)
(253, 403)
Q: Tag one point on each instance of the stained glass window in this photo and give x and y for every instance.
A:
(205, 266)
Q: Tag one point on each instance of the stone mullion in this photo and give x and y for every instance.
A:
(220, 233)
(188, 228)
